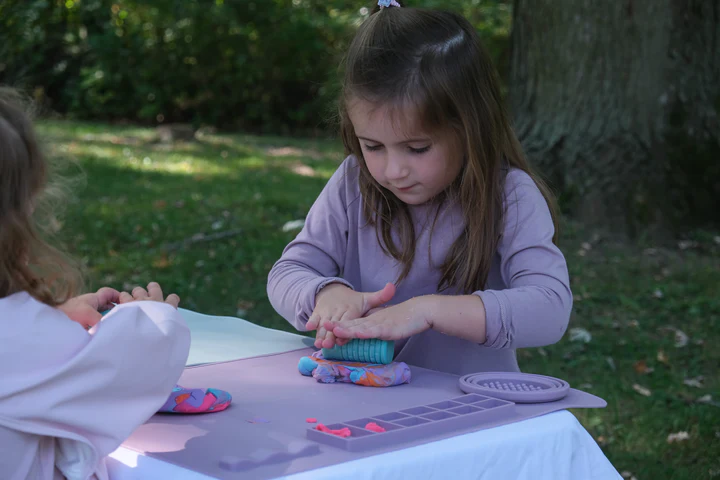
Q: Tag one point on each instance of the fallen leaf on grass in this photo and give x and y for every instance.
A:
(159, 204)
(162, 262)
(580, 335)
(681, 338)
(678, 437)
(685, 244)
(641, 390)
(658, 294)
(707, 400)
(293, 225)
(611, 362)
(642, 368)
(662, 358)
(694, 382)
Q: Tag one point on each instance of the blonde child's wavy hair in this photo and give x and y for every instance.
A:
(28, 204)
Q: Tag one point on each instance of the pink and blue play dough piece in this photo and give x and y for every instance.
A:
(196, 400)
(359, 373)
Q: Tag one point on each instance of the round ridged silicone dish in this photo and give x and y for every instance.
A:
(367, 351)
(515, 387)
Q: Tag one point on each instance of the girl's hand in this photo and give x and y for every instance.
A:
(336, 304)
(392, 323)
(85, 309)
(153, 293)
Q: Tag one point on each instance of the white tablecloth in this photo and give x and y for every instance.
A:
(551, 447)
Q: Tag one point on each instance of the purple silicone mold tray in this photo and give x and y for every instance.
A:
(409, 424)
(515, 387)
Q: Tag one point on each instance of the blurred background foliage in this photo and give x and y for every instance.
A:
(265, 66)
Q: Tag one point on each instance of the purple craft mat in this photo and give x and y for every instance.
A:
(271, 388)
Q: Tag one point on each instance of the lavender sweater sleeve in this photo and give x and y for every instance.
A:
(294, 281)
(534, 309)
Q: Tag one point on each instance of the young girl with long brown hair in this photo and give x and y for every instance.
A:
(433, 232)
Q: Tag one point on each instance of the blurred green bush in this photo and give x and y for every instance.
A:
(254, 65)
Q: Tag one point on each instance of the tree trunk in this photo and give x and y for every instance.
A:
(616, 103)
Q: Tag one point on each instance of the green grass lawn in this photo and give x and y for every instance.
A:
(205, 219)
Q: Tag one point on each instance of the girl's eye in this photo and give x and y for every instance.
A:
(419, 150)
(373, 148)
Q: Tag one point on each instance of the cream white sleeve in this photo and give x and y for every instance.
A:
(88, 389)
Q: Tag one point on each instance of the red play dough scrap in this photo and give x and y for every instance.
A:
(374, 427)
(343, 432)
(311, 420)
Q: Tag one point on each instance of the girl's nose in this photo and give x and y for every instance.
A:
(396, 168)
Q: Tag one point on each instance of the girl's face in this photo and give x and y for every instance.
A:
(413, 164)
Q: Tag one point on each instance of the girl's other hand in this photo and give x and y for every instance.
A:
(85, 309)
(337, 303)
(153, 293)
(392, 323)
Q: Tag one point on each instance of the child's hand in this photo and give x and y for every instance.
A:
(85, 309)
(153, 293)
(392, 323)
(336, 304)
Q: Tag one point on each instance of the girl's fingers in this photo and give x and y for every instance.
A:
(319, 340)
(125, 298)
(139, 293)
(321, 331)
(106, 296)
(155, 292)
(329, 341)
(313, 322)
(173, 300)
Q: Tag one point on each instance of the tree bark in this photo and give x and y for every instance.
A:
(616, 103)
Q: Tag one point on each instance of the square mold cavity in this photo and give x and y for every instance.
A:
(439, 415)
(447, 404)
(391, 417)
(411, 421)
(491, 403)
(362, 422)
(417, 411)
(464, 410)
